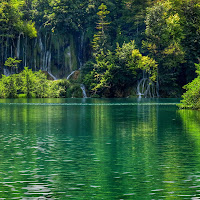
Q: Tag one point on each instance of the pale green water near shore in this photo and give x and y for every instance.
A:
(98, 149)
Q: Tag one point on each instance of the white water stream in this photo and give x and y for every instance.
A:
(84, 91)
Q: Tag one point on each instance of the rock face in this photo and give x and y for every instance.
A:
(55, 53)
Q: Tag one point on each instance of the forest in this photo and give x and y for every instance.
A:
(121, 48)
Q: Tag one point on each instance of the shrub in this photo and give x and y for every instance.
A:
(191, 98)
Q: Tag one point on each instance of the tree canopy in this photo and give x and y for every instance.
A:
(166, 37)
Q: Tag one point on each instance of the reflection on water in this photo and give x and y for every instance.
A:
(95, 150)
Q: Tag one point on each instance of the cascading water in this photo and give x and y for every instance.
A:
(49, 62)
(146, 88)
(84, 91)
(81, 86)
(70, 57)
(6, 72)
(48, 52)
(42, 52)
(140, 87)
(68, 77)
(50, 74)
(11, 51)
(35, 63)
(18, 45)
(80, 54)
(25, 52)
(6, 53)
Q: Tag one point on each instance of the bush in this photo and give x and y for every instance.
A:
(74, 91)
(112, 73)
(8, 87)
(32, 84)
(191, 98)
(58, 88)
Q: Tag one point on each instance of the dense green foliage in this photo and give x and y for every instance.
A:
(115, 73)
(99, 41)
(12, 63)
(32, 84)
(191, 98)
(13, 21)
(163, 42)
(166, 35)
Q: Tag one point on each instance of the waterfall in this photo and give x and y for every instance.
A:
(6, 54)
(50, 74)
(63, 53)
(45, 55)
(42, 61)
(58, 50)
(141, 88)
(49, 62)
(146, 88)
(68, 77)
(6, 72)
(18, 45)
(11, 51)
(83, 90)
(70, 57)
(40, 44)
(45, 64)
(35, 63)
(80, 55)
(25, 51)
(35, 60)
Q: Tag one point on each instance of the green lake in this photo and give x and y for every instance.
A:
(110, 149)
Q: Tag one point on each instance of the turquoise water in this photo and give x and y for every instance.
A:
(98, 149)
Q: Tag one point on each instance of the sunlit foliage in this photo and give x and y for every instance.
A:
(31, 84)
(11, 19)
(191, 98)
(115, 72)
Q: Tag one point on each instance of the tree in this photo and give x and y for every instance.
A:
(133, 19)
(164, 35)
(67, 15)
(12, 63)
(8, 86)
(189, 12)
(11, 18)
(115, 73)
(28, 82)
(99, 41)
(41, 86)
